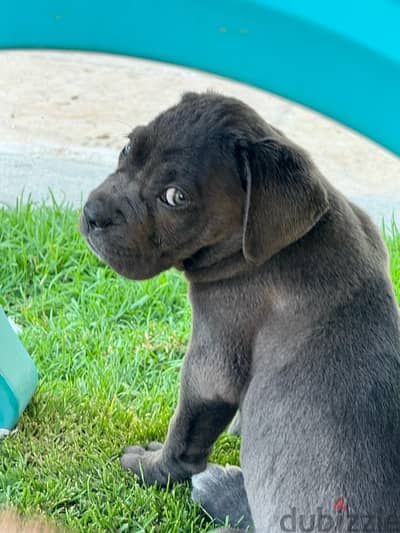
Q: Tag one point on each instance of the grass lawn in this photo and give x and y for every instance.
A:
(108, 352)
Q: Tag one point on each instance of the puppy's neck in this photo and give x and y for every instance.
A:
(217, 262)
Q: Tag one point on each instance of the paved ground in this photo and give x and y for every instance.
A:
(64, 116)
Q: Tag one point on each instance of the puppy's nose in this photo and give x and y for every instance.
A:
(97, 215)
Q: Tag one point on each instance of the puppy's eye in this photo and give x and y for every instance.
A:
(126, 149)
(173, 197)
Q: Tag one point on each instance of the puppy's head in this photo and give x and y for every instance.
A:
(206, 180)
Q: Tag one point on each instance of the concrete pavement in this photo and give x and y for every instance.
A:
(64, 116)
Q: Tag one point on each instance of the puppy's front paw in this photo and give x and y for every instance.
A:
(146, 464)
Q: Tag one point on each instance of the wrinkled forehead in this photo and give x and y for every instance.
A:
(172, 154)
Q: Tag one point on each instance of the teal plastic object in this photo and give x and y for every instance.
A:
(340, 57)
(18, 375)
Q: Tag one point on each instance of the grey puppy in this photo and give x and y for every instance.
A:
(294, 319)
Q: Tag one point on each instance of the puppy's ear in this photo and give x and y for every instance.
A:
(284, 196)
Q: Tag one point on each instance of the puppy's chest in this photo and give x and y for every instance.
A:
(225, 329)
(236, 306)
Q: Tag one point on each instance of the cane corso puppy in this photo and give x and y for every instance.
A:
(294, 320)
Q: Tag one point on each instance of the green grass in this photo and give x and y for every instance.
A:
(108, 352)
(392, 239)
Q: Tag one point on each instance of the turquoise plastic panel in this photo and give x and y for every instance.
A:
(339, 57)
(18, 375)
(9, 408)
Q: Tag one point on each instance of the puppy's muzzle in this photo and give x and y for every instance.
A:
(100, 214)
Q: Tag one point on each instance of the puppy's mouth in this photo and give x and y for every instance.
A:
(86, 233)
(93, 248)
(127, 262)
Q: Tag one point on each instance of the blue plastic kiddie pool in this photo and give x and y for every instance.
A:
(18, 375)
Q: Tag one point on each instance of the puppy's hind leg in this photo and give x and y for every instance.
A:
(220, 492)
